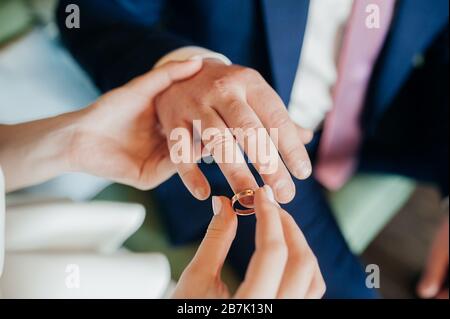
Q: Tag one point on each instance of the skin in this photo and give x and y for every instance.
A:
(122, 137)
(282, 266)
(431, 284)
(222, 97)
(119, 138)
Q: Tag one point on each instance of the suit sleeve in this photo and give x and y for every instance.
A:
(117, 39)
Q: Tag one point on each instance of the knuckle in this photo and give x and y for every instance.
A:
(249, 73)
(187, 173)
(306, 261)
(280, 119)
(231, 82)
(267, 207)
(196, 270)
(218, 140)
(238, 176)
(202, 103)
(276, 249)
(214, 233)
(292, 152)
(310, 262)
(223, 86)
(248, 126)
(192, 270)
(296, 260)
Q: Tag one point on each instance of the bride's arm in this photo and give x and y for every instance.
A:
(117, 137)
(36, 151)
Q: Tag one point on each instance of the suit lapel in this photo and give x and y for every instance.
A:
(414, 27)
(285, 22)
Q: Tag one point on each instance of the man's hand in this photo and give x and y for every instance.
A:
(282, 266)
(119, 138)
(432, 284)
(235, 97)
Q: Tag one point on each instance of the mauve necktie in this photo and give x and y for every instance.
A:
(363, 40)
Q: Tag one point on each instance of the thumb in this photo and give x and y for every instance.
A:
(214, 248)
(436, 269)
(154, 82)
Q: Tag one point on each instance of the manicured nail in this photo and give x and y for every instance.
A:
(216, 204)
(428, 291)
(304, 169)
(269, 193)
(200, 193)
(282, 190)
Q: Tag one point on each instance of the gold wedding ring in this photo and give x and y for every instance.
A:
(236, 200)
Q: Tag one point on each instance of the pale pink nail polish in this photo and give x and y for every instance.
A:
(217, 205)
(269, 193)
(200, 192)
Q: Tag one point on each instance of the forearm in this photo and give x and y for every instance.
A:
(34, 152)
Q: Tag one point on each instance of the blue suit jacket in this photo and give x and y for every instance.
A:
(120, 39)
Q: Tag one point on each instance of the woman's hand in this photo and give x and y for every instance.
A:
(119, 137)
(282, 266)
(432, 284)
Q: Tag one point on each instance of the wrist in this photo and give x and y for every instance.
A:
(36, 151)
(65, 134)
(53, 146)
(72, 133)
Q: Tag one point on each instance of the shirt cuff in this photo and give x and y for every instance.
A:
(192, 53)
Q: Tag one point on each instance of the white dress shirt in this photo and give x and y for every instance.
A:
(311, 95)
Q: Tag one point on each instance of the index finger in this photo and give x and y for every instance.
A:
(267, 264)
(214, 247)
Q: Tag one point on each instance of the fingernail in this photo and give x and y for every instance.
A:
(200, 193)
(269, 193)
(282, 190)
(304, 169)
(428, 291)
(217, 205)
